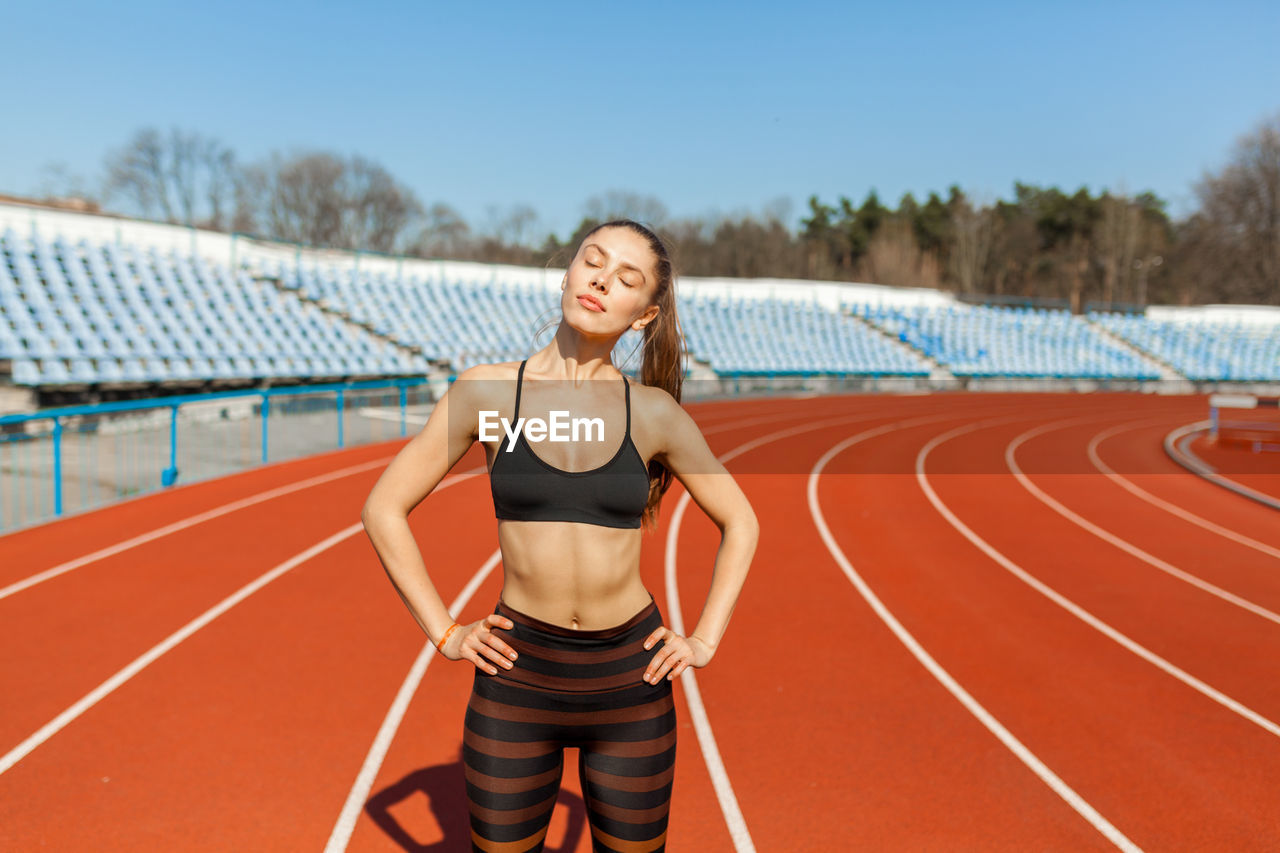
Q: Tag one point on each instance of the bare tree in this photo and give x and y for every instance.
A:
(1240, 212)
(321, 199)
(972, 229)
(445, 234)
(379, 208)
(618, 204)
(512, 226)
(185, 178)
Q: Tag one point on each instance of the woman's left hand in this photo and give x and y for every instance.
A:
(676, 655)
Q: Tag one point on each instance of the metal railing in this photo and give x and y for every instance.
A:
(70, 459)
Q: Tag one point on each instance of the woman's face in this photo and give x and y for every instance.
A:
(610, 283)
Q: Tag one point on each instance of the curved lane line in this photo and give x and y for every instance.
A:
(1167, 506)
(1025, 755)
(1010, 458)
(1066, 603)
(697, 710)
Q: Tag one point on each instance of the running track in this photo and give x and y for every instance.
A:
(974, 621)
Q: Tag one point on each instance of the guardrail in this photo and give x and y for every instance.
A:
(70, 459)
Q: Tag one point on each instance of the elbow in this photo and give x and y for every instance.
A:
(372, 514)
(745, 524)
(368, 514)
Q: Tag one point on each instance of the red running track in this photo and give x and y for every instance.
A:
(1077, 658)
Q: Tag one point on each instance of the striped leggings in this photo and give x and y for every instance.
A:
(571, 688)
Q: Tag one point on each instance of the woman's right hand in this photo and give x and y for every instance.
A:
(477, 643)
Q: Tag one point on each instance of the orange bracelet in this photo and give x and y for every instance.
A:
(440, 645)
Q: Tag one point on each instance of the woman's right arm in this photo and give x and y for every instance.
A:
(412, 475)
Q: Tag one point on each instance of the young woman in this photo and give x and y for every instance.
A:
(575, 652)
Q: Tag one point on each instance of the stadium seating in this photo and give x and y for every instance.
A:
(87, 311)
(978, 340)
(773, 336)
(1203, 349)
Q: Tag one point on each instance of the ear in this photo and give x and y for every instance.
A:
(649, 315)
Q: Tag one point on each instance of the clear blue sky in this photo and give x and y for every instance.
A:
(711, 107)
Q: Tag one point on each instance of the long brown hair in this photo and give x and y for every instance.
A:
(662, 363)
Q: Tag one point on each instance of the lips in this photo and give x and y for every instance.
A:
(591, 303)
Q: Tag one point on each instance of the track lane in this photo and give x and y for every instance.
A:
(1249, 572)
(264, 707)
(1201, 634)
(403, 800)
(1140, 450)
(1172, 758)
(68, 634)
(36, 549)
(920, 773)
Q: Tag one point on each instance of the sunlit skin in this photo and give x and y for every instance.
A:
(576, 575)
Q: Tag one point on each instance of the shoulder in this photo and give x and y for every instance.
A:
(655, 401)
(659, 414)
(485, 386)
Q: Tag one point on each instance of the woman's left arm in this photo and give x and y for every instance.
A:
(685, 452)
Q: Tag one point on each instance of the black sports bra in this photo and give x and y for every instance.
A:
(527, 488)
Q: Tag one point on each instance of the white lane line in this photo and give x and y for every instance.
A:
(993, 725)
(1167, 506)
(359, 794)
(188, 522)
(151, 655)
(729, 807)
(1066, 603)
(1010, 458)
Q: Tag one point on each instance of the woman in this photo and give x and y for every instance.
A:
(575, 652)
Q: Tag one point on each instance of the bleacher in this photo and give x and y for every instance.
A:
(1203, 349)
(986, 341)
(89, 313)
(463, 322)
(93, 300)
(748, 336)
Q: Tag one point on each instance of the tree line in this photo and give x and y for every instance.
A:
(1040, 245)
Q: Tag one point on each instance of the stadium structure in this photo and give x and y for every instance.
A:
(95, 306)
(136, 355)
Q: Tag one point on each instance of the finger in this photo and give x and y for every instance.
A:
(494, 655)
(499, 621)
(481, 664)
(678, 663)
(503, 649)
(657, 666)
(658, 634)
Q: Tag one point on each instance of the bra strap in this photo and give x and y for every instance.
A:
(626, 388)
(519, 378)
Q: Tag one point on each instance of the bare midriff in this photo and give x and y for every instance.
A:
(581, 576)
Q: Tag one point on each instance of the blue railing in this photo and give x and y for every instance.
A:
(70, 459)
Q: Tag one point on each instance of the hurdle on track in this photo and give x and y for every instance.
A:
(1252, 421)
